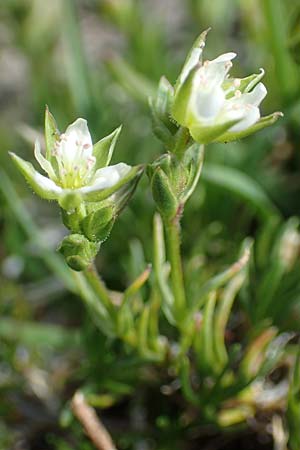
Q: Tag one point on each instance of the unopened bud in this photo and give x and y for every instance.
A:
(78, 251)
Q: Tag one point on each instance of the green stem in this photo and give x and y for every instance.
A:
(98, 311)
(97, 285)
(173, 246)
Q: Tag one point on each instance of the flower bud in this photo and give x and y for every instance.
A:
(163, 127)
(163, 194)
(173, 180)
(78, 251)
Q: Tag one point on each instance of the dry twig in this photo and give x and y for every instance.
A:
(94, 429)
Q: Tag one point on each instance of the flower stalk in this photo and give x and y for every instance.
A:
(173, 240)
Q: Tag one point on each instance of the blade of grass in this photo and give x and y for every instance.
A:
(242, 186)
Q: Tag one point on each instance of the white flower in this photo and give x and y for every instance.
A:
(74, 165)
(214, 106)
(213, 103)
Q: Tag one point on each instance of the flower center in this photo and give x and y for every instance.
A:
(75, 161)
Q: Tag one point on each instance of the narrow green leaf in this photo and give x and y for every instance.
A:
(159, 265)
(242, 186)
(136, 285)
(32, 333)
(225, 303)
(207, 332)
(219, 280)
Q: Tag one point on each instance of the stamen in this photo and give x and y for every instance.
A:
(237, 94)
(237, 82)
(90, 162)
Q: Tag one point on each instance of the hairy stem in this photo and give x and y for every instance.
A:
(172, 228)
(99, 288)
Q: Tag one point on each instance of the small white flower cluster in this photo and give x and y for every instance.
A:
(213, 106)
(74, 165)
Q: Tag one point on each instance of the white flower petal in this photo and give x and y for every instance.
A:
(251, 116)
(225, 57)
(211, 74)
(107, 177)
(256, 96)
(78, 130)
(191, 63)
(43, 162)
(75, 144)
(207, 103)
(47, 184)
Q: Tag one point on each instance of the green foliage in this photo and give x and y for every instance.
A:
(196, 360)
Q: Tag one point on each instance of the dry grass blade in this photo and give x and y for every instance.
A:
(94, 429)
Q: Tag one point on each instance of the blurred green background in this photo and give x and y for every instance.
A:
(101, 60)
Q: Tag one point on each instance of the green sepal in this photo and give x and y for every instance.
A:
(163, 102)
(163, 127)
(248, 83)
(261, 124)
(182, 174)
(78, 251)
(193, 58)
(180, 107)
(174, 169)
(51, 133)
(71, 220)
(70, 199)
(41, 185)
(206, 134)
(164, 162)
(97, 225)
(160, 130)
(163, 194)
(124, 194)
(193, 162)
(103, 149)
(245, 84)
